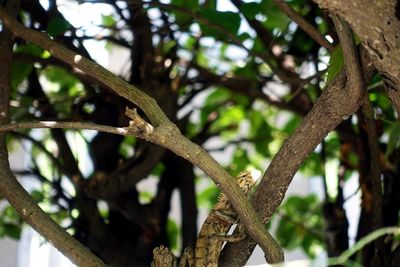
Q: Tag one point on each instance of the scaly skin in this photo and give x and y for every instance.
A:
(214, 231)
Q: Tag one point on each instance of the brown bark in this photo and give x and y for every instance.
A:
(341, 98)
(378, 26)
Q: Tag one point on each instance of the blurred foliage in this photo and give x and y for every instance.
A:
(295, 231)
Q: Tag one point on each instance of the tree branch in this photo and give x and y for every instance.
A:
(63, 125)
(338, 101)
(165, 132)
(380, 36)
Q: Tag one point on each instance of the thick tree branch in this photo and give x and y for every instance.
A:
(165, 132)
(380, 36)
(338, 101)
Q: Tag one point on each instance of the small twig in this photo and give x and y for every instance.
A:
(352, 195)
(350, 54)
(304, 25)
(317, 234)
(137, 123)
(342, 259)
(40, 146)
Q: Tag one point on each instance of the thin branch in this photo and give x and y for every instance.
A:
(165, 132)
(39, 145)
(343, 258)
(353, 69)
(63, 125)
(304, 25)
(301, 225)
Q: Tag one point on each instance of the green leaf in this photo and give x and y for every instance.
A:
(230, 116)
(240, 161)
(312, 165)
(227, 20)
(19, 72)
(276, 19)
(168, 46)
(293, 231)
(336, 64)
(244, 36)
(126, 147)
(208, 196)
(10, 215)
(219, 96)
(31, 49)
(215, 99)
(181, 18)
(260, 131)
(286, 235)
(108, 20)
(12, 230)
(61, 215)
(394, 140)
(64, 84)
(37, 195)
(250, 10)
(190, 43)
(292, 124)
(173, 234)
(57, 26)
(158, 169)
(210, 4)
(145, 197)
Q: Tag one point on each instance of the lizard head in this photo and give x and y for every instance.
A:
(246, 183)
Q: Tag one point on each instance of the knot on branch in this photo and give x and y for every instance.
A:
(138, 125)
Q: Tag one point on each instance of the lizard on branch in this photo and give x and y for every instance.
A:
(214, 231)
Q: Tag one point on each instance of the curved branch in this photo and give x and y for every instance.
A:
(338, 101)
(380, 36)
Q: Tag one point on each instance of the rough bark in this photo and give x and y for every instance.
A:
(377, 23)
(338, 101)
